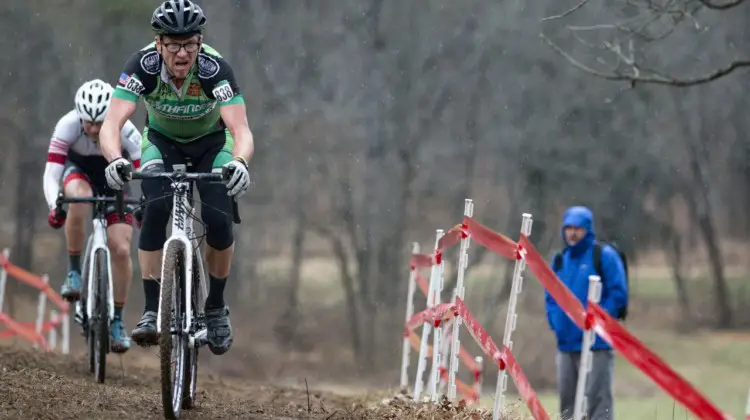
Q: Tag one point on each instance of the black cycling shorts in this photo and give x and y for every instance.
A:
(205, 154)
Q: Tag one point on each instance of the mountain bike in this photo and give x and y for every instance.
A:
(181, 323)
(95, 310)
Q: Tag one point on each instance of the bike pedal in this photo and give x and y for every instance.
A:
(200, 339)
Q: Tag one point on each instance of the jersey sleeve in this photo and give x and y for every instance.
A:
(131, 143)
(139, 76)
(218, 81)
(65, 133)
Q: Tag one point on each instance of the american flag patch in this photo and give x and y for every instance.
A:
(123, 79)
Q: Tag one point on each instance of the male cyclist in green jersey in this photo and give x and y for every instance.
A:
(196, 116)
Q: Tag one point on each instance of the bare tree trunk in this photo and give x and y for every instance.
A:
(26, 216)
(347, 283)
(702, 213)
(286, 325)
(360, 242)
(673, 245)
(697, 195)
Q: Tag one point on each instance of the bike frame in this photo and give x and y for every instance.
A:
(98, 241)
(183, 214)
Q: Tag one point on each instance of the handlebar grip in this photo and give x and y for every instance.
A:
(120, 205)
(236, 211)
(138, 214)
(58, 203)
(125, 171)
(61, 215)
(226, 173)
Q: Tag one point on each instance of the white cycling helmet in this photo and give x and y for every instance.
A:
(92, 100)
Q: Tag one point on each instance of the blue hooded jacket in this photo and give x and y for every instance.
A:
(577, 266)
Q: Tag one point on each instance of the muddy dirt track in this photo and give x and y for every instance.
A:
(38, 386)
(41, 386)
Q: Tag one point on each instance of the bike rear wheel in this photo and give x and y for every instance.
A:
(173, 342)
(100, 324)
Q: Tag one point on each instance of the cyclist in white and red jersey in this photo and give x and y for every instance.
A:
(75, 158)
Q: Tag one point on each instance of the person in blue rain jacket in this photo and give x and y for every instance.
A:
(577, 264)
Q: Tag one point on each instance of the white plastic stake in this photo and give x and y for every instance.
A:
(3, 279)
(479, 360)
(511, 319)
(66, 333)
(426, 329)
(463, 262)
(747, 407)
(437, 338)
(445, 350)
(406, 351)
(52, 334)
(584, 367)
(40, 309)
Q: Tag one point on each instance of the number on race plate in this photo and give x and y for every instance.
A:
(223, 93)
(134, 86)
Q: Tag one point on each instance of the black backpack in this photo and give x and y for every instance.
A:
(557, 264)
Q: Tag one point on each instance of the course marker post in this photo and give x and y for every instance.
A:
(426, 329)
(41, 308)
(3, 277)
(586, 362)
(511, 319)
(463, 262)
(436, 292)
(406, 350)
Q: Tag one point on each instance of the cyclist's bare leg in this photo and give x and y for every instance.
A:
(75, 231)
(119, 236)
(150, 262)
(118, 241)
(219, 262)
(75, 224)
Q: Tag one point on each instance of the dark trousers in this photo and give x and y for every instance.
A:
(600, 403)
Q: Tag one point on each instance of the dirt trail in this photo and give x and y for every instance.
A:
(39, 386)
(55, 387)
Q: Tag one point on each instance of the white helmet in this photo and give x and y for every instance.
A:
(92, 100)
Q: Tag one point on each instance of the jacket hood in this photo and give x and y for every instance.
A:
(579, 216)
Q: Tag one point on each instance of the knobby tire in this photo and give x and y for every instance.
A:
(173, 315)
(87, 323)
(101, 325)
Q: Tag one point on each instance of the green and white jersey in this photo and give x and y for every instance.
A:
(183, 114)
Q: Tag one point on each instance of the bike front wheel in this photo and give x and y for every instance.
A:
(173, 342)
(191, 366)
(100, 323)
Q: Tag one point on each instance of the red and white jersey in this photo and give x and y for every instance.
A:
(70, 144)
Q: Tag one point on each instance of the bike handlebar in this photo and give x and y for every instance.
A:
(182, 176)
(119, 200)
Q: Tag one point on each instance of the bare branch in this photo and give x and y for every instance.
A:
(723, 6)
(571, 11)
(653, 78)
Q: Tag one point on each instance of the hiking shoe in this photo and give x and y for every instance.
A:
(145, 333)
(218, 330)
(119, 342)
(71, 288)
